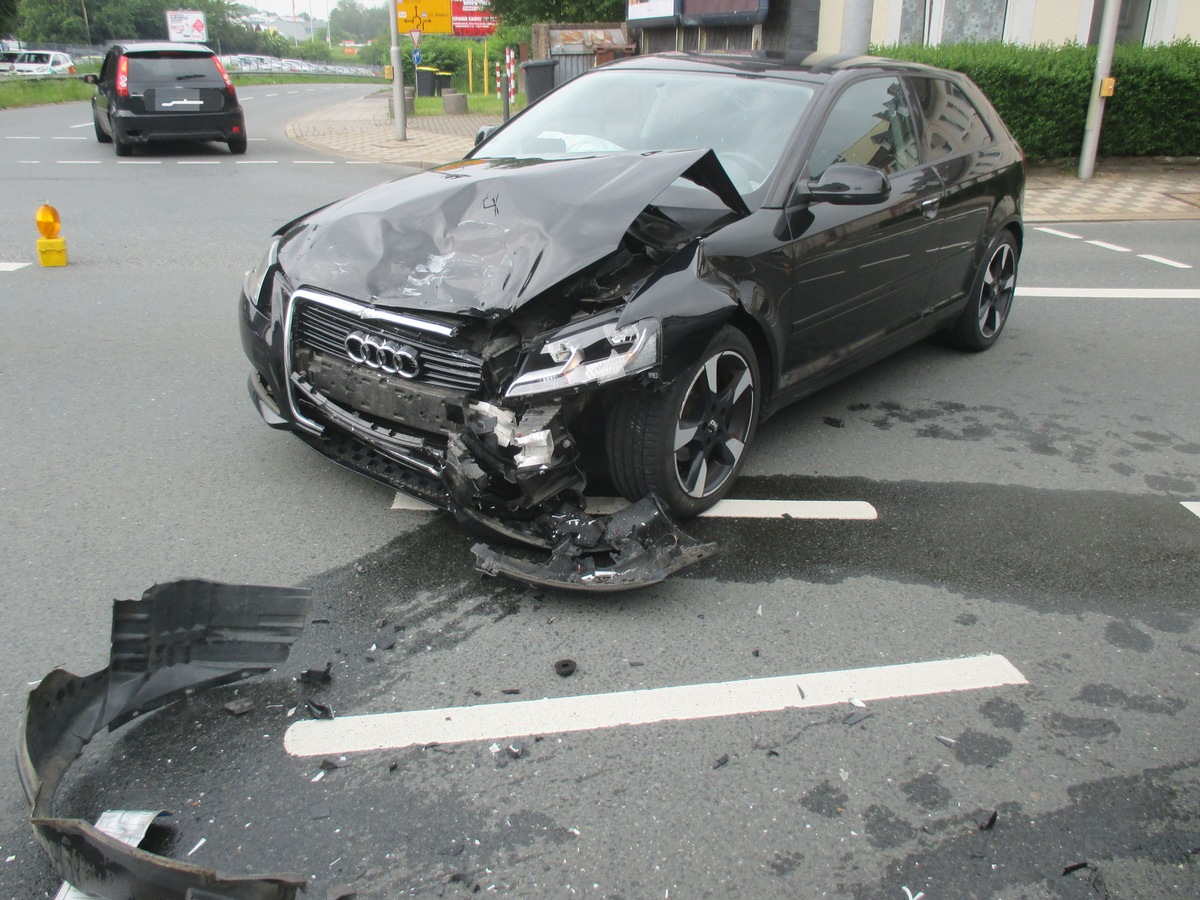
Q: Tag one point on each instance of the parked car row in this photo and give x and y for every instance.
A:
(36, 62)
(249, 63)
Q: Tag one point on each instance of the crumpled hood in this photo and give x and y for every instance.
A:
(484, 236)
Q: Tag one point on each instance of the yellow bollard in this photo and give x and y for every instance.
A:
(52, 250)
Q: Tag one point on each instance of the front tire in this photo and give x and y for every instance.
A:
(688, 443)
(991, 297)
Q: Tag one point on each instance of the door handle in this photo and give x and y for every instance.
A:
(929, 208)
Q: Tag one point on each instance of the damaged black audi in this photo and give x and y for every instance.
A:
(622, 281)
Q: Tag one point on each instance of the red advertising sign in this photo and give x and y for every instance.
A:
(472, 18)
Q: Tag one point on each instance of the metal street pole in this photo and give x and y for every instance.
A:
(1095, 113)
(400, 112)
(856, 26)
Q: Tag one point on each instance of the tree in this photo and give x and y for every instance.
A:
(529, 12)
(8, 17)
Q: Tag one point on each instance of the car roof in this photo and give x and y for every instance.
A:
(810, 67)
(135, 47)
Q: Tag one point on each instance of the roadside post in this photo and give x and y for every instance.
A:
(1102, 87)
(398, 76)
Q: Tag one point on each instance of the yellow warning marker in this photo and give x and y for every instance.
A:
(52, 250)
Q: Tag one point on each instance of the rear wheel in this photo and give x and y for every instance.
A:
(237, 145)
(687, 444)
(991, 297)
(101, 136)
(121, 146)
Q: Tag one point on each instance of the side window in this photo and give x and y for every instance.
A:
(952, 123)
(107, 69)
(871, 125)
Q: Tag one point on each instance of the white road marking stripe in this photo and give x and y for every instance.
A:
(1112, 293)
(22, 137)
(257, 162)
(78, 162)
(68, 138)
(1164, 261)
(12, 267)
(139, 162)
(81, 125)
(30, 162)
(313, 162)
(199, 162)
(1192, 506)
(1107, 246)
(1063, 234)
(726, 509)
(559, 715)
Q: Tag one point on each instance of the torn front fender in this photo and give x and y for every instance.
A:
(180, 637)
(635, 547)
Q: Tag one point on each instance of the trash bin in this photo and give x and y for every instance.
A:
(444, 82)
(426, 81)
(539, 78)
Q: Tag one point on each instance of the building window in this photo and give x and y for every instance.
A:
(1131, 21)
(935, 22)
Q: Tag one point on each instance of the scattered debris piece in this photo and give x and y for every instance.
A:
(516, 749)
(801, 690)
(910, 895)
(393, 765)
(329, 763)
(854, 701)
(320, 621)
(565, 668)
(179, 638)
(1075, 867)
(754, 652)
(494, 748)
(857, 716)
(721, 761)
(1095, 881)
(200, 843)
(759, 613)
(320, 811)
(985, 819)
(317, 675)
(845, 775)
(319, 710)
(772, 753)
(511, 691)
(240, 706)
(948, 741)
(340, 892)
(833, 422)
(318, 776)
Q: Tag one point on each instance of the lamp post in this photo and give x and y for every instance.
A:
(87, 29)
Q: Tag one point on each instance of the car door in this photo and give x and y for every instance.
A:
(861, 272)
(962, 150)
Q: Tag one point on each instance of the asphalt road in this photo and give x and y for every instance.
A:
(1030, 503)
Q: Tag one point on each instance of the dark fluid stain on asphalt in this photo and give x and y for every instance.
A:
(927, 792)
(981, 541)
(784, 864)
(1128, 637)
(1109, 820)
(1108, 696)
(1062, 725)
(978, 748)
(1004, 714)
(825, 800)
(885, 829)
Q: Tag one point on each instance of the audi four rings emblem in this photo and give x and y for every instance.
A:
(383, 354)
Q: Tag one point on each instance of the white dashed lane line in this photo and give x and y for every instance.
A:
(1116, 248)
(1111, 293)
(12, 267)
(559, 715)
(726, 509)
(1192, 506)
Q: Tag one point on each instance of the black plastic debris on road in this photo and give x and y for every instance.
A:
(723, 760)
(317, 675)
(318, 710)
(180, 637)
(565, 668)
(985, 819)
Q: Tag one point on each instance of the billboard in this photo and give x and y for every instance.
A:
(186, 25)
(461, 17)
(649, 13)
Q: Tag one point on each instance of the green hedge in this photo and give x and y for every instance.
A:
(1042, 93)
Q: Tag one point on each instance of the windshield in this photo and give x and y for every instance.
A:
(746, 120)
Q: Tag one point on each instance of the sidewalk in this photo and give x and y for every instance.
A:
(1120, 191)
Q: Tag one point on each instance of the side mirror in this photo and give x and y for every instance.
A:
(484, 133)
(846, 184)
(92, 78)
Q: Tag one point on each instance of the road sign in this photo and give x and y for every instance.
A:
(416, 56)
(415, 34)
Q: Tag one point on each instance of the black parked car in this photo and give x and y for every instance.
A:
(627, 277)
(165, 91)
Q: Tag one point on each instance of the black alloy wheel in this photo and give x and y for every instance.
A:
(688, 443)
(991, 297)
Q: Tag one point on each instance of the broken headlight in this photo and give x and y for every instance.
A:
(593, 352)
(256, 278)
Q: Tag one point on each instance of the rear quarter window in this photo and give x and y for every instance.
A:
(953, 125)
